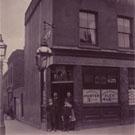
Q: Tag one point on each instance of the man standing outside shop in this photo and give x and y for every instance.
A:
(56, 111)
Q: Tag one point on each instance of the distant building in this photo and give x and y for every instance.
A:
(5, 92)
(93, 57)
(14, 84)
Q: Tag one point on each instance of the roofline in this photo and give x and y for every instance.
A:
(31, 9)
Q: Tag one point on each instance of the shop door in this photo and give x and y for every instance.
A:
(62, 90)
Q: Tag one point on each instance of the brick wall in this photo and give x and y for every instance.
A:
(34, 30)
(66, 21)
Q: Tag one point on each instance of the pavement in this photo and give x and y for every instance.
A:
(14, 127)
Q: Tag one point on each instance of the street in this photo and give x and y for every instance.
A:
(14, 127)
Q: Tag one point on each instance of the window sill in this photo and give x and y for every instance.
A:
(58, 82)
(127, 50)
(101, 105)
(88, 46)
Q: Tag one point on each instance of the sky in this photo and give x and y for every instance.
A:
(12, 13)
(12, 23)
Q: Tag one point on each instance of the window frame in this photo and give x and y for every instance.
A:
(88, 44)
(130, 34)
(131, 87)
(101, 87)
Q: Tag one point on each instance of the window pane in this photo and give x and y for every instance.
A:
(120, 25)
(83, 19)
(91, 21)
(127, 26)
(88, 78)
(92, 36)
(83, 33)
(85, 36)
(131, 78)
(120, 40)
(127, 41)
(87, 27)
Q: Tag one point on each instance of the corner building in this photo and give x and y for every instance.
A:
(93, 57)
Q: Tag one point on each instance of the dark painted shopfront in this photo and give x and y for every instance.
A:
(100, 94)
(100, 89)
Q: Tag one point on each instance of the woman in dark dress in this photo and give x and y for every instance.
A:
(56, 111)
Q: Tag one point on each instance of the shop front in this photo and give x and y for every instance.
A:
(101, 100)
(95, 91)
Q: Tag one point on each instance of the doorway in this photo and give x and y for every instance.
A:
(62, 89)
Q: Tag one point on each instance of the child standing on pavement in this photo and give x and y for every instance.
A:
(66, 115)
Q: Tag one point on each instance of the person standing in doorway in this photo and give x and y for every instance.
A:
(66, 115)
(69, 98)
(56, 110)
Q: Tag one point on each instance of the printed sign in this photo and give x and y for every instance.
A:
(91, 96)
(110, 96)
(131, 95)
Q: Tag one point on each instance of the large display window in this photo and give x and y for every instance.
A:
(100, 85)
(131, 84)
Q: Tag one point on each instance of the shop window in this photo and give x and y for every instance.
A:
(124, 32)
(131, 83)
(87, 28)
(62, 73)
(131, 78)
(100, 85)
(88, 79)
(111, 79)
(100, 79)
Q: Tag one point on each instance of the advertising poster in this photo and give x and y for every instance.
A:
(110, 96)
(131, 95)
(91, 96)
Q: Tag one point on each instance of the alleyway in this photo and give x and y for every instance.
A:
(14, 127)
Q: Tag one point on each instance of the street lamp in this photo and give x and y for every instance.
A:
(3, 48)
(43, 53)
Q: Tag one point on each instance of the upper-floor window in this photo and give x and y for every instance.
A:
(124, 32)
(87, 28)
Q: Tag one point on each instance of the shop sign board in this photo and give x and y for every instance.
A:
(110, 96)
(91, 96)
(131, 95)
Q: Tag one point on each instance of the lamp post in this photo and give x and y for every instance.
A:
(2, 56)
(43, 54)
